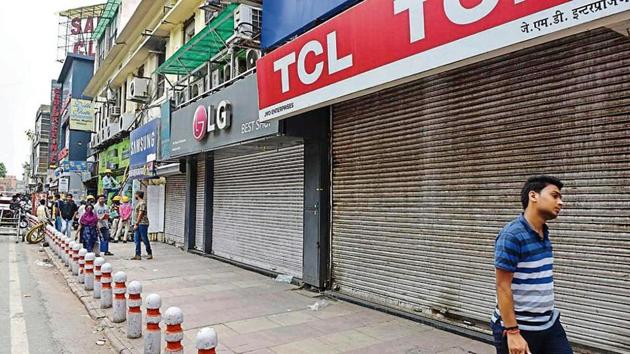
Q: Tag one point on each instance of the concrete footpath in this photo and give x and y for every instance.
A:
(253, 313)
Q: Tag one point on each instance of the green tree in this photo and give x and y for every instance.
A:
(3, 170)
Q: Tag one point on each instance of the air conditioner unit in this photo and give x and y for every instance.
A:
(227, 72)
(251, 56)
(138, 90)
(247, 21)
(114, 112)
(196, 88)
(217, 78)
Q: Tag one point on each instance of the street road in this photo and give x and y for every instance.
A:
(38, 312)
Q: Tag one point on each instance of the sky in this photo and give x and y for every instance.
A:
(28, 64)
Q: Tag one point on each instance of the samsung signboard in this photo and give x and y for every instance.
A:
(284, 19)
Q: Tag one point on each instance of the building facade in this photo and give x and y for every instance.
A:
(433, 133)
(39, 150)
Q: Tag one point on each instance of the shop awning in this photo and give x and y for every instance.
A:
(109, 13)
(203, 46)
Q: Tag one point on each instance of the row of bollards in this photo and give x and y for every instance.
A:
(96, 276)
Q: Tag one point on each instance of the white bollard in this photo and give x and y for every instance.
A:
(74, 265)
(173, 335)
(119, 314)
(106, 286)
(98, 263)
(134, 315)
(207, 341)
(153, 336)
(67, 251)
(81, 276)
(89, 271)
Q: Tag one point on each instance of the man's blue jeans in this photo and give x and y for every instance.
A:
(142, 236)
(550, 341)
(104, 238)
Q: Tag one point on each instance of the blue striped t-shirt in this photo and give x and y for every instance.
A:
(520, 250)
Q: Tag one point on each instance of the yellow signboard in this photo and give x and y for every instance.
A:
(81, 115)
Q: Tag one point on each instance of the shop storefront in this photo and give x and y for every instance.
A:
(427, 170)
(246, 181)
(116, 159)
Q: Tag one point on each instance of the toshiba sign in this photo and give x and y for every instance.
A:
(382, 42)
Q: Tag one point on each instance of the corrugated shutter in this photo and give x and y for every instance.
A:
(258, 209)
(426, 174)
(201, 208)
(175, 206)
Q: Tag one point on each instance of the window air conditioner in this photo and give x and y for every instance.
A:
(251, 56)
(217, 78)
(114, 112)
(138, 90)
(247, 21)
(227, 72)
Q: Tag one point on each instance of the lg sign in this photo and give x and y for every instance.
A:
(382, 41)
(211, 119)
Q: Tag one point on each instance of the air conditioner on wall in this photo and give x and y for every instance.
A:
(181, 97)
(217, 78)
(227, 72)
(126, 120)
(247, 21)
(138, 89)
(196, 88)
(251, 56)
(112, 97)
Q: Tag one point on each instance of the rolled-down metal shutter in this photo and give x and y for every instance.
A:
(426, 174)
(201, 208)
(175, 207)
(258, 209)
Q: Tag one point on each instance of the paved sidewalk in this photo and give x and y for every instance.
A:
(256, 314)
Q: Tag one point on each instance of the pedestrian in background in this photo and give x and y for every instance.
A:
(87, 227)
(141, 227)
(114, 217)
(42, 212)
(102, 211)
(80, 213)
(124, 223)
(55, 211)
(525, 319)
(68, 211)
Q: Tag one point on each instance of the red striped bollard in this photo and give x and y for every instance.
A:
(67, 251)
(106, 286)
(98, 263)
(81, 276)
(119, 314)
(74, 266)
(207, 341)
(173, 318)
(89, 271)
(134, 314)
(153, 336)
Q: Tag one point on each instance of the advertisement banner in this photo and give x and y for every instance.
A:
(227, 117)
(144, 144)
(81, 114)
(55, 114)
(165, 131)
(75, 166)
(384, 42)
(64, 185)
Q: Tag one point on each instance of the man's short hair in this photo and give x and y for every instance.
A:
(58, 196)
(42, 201)
(102, 196)
(537, 184)
(140, 194)
(69, 195)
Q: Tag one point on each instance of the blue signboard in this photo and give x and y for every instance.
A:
(74, 166)
(283, 19)
(144, 144)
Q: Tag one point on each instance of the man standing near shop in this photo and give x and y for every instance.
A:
(526, 320)
(102, 212)
(55, 211)
(141, 227)
(124, 224)
(67, 211)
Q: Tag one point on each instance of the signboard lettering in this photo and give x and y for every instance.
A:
(381, 42)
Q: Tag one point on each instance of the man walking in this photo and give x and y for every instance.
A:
(55, 211)
(67, 211)
(141, 227)
(526, 320)
(102, 212)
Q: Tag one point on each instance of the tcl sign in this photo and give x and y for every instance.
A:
(211, 119)
(382, 42)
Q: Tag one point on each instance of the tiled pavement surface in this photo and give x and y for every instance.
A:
(255, 314)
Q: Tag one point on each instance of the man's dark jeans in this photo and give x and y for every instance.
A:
(142, 235)
(550, 341)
